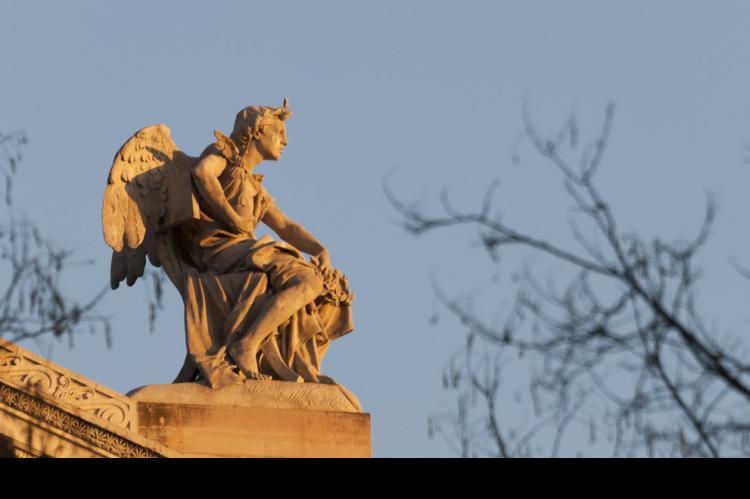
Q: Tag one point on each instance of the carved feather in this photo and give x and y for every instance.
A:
(226, 147)
(118, 269)
(135, 199)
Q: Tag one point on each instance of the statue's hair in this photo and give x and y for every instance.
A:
(249, 120)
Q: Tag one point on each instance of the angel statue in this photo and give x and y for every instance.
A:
(254, 307)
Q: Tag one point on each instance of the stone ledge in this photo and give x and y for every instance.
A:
(29, 371)
(46, 425)
(46, 410)
(254, 395)
(232, 431)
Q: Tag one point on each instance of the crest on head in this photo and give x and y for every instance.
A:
(250, 121)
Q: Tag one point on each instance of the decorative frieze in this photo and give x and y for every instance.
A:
(37, 375)
(71, 424)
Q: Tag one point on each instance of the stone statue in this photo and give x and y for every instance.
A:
(254, 307)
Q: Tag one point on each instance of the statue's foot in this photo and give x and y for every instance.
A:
(256, 375)
(246, 361)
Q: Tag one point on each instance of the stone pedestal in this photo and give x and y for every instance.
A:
(47, 410)
(258, 419)
(204, 431)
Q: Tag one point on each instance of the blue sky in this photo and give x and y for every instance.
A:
(431, 90)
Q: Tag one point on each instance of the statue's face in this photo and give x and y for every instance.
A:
(272, 140)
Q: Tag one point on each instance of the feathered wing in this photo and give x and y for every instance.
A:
(146, 172)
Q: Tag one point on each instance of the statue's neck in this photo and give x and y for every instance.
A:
(251, 157)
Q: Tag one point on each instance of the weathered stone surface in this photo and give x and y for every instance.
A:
(257, 419)
(226, 431)
(47, 410)
(254, 395)
(29, 371)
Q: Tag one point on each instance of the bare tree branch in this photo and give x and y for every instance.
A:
(641, 364)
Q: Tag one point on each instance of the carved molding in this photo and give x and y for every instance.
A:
(72, 424)
(19, 453)
(24, 370)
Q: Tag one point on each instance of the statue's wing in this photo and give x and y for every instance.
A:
(146, 170)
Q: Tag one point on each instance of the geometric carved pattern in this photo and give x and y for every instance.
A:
(72, 424)
(24, 370)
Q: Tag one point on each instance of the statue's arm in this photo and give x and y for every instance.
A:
(296, 235)
(206, 177)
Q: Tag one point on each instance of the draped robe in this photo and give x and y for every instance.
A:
(227, 280)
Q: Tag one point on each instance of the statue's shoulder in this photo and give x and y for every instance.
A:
(213, 150)
(224, 147)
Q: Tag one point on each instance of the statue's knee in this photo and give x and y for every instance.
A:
(312, 286)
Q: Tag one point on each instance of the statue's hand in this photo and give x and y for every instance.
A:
(335, 284)
(243, 226)
(323, 261)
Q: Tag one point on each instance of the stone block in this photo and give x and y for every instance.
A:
(258, 419)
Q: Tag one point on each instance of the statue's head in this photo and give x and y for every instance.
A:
(263, 125)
